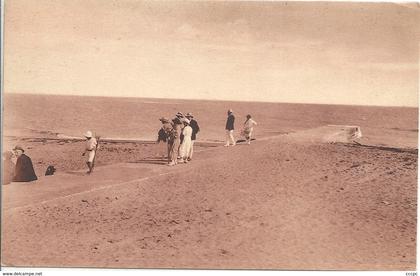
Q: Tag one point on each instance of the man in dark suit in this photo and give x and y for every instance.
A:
(195, 129)
(24, 170)
(230, 122)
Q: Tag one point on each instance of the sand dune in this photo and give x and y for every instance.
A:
(290, 200)
(275, 204)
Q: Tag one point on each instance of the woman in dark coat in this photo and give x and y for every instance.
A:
(24, 170)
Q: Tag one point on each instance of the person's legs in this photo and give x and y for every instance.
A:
(187, 150)
(174, 151)
(229, 138)
(89, 162)
(170, 144)
(182, 152)
(232, 139)
(190, 154)
(249, 136)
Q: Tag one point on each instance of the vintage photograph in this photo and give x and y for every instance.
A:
(255, 135)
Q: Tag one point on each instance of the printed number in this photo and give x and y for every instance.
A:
(411, 274)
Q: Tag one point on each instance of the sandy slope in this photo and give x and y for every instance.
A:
(274, 204)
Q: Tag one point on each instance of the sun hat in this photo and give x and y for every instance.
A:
(164, 120)
(18, 148)
(88, 134)
(179, 114)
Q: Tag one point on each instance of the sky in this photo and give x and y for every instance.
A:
(305, 52)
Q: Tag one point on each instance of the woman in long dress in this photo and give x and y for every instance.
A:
(249, 128)
(186, 142)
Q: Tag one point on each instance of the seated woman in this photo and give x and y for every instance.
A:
(24, 170)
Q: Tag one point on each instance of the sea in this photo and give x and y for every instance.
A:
(30, 115)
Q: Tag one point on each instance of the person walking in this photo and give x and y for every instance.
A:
(249, 128)
(91, 147)
(195, 129)
(24, 170)
(230, 122)
(187, 142)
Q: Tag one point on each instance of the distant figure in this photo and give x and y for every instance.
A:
(24, 170)
(91, 146)
(195, 129)
(229, 129)
(175, 141)
(249, 128)
(8, 168)
(186, 143)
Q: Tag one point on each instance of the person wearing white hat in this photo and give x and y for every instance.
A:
(91, 147)
(186, 142)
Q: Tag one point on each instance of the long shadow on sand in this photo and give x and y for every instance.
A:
(152, 160)
(391, 149)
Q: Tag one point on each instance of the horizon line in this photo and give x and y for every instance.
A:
(206, 99)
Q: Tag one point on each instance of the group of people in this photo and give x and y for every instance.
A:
(18, 167)
(247, 130)
(180, 134)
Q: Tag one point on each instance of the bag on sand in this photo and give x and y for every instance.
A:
(50, 170)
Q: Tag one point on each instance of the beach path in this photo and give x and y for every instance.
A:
(274, 204)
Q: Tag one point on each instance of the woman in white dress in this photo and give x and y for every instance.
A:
(186, 143)
(249, 128)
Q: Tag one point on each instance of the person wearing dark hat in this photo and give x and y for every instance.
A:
(8, 168)
(24, 170)
(164, 130)
(195, 129)
(229, 129)
(164, 134)
(179, 115)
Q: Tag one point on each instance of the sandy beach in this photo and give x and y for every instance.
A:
(287, 201)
